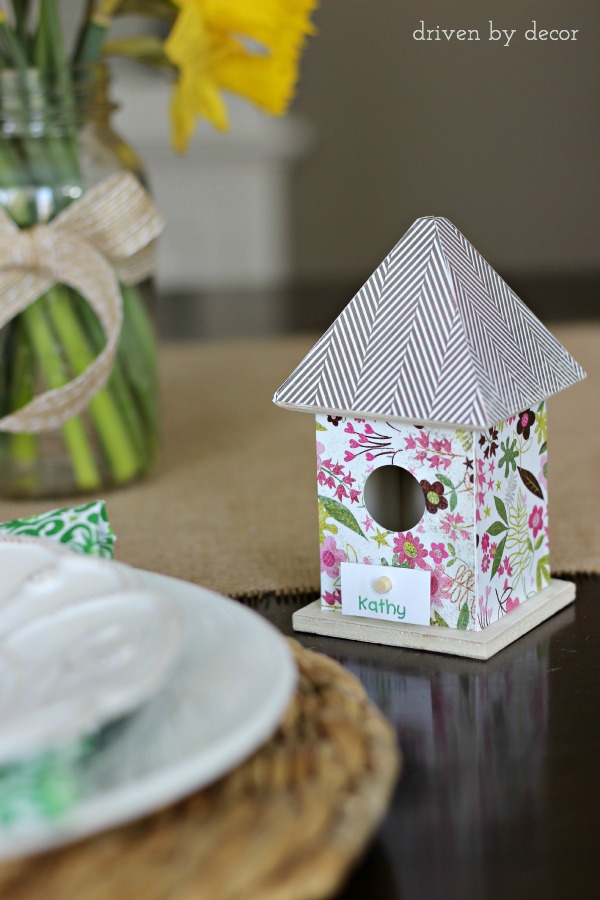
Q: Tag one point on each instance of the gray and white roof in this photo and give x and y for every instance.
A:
(435, 335)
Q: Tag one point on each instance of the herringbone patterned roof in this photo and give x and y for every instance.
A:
(435, 335)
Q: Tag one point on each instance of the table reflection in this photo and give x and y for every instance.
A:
(472, 810)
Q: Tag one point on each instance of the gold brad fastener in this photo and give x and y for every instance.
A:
(383, 585)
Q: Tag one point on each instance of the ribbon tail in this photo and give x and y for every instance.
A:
(137, 267)
(18, 290)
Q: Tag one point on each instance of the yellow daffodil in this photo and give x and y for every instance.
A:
(249, 48)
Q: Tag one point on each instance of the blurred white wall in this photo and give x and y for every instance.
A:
(503, 141)
(227, 202)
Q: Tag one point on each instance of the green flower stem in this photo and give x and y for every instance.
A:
(117, 383)
(23, 447)
(140, 361)
(89, 48)
(91, 38)
(13, 170)
(50, 26)
(86, 472)
(104, 412)
(21, 8)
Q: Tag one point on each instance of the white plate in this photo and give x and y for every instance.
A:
(82, 643)
(224, 698)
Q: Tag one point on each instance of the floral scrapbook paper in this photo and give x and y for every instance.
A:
(513, 556)
(443, 541)
(483, 533)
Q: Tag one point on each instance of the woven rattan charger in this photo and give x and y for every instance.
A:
(288, 824)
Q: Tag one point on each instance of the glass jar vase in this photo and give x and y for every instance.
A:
(56, 142)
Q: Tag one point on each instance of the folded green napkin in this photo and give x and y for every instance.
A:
(46, 786)
(83, 528)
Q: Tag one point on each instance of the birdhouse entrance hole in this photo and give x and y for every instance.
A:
(393, 497)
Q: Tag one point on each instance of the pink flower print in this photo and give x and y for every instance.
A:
(481, 498)
(367, 523)
(337, 469)
(366, 561)
(369, 457)
(354, 444)
(506, 566)
(435, 585)
(363, 438)
(410, 443)
(354, 495)
(526, 420)
(349, 429)
(333, 598)
(446, 463)
(331, 557)
(512, 603)
(330, 482)
(322, 478)
(348, 479)
(368, 430)
(423, 440)
(320, 449)
(485, 611)
(440, 586)
(437, 445)
(447, 526)
(410, 550)
(485, 562)
(421, 455)
(434, 462)
(341, 491)
(438, 553)
(348, 457)
(493, 548)
(490, 484)
(446, 445)
(536, 520)
(485, 541)
(491, 467)
(480, 473)
(327, 463)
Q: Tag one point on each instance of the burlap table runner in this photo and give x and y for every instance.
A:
(232, 504)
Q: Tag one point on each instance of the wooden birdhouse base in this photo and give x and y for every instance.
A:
(473, 644)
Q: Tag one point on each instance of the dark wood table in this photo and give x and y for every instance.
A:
(499, 792)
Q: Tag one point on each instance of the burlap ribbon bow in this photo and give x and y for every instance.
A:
(102, 239)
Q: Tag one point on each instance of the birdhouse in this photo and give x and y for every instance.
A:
(429, 392)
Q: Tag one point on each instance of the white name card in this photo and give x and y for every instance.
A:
(386, 592)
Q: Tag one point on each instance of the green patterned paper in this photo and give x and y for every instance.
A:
(83, 528)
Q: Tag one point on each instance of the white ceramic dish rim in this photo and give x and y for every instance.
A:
(168, 785)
